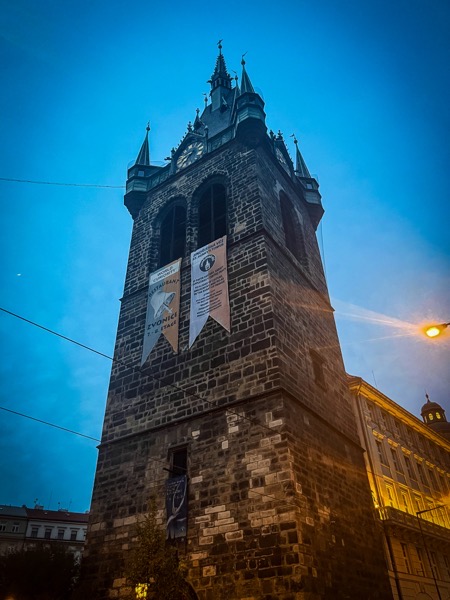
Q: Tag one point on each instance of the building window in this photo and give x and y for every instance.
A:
(433, 479)
(421, 570)
(173, 235)
(390, 495)
(178, 462)
(381, 452)
(73, 535)
(34, 532)
(422, 476)
(447, 565)
(293, 231)
(418, 503)
(48, 533)
(60, 533)
(405, 501)
(371, 409)
(212, 215)
(406, 558)
(396, 461)
(3, 526)
(318, 370)
(434, 565)
(15, 528)
(409, 468)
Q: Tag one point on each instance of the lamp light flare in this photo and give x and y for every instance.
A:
(433, 331)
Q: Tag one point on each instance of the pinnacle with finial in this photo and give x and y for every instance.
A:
(143, 157)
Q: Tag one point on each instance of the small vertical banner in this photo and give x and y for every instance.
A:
(163, 307)
(209, 287)
(176, 507)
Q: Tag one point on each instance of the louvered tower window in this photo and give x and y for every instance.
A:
(173, 235)
(212, 215)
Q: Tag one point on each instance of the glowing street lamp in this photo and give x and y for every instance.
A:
(433, 331)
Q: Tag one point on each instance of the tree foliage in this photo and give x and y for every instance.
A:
(39, 573)
(154, 569)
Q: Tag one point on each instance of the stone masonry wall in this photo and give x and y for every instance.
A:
(278, 497)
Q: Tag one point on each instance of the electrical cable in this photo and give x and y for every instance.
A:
(49, 424)
(91, 185)
(120, 362)
(154, 459)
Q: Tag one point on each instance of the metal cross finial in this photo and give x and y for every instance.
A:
(295, 138)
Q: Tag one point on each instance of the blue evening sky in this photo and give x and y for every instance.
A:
(365, 87)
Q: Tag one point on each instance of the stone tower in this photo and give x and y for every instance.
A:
(245, 425)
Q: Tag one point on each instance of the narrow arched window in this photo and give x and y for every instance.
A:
(212, 214)
(173, 235)
(293, 232)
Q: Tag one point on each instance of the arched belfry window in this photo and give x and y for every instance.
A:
(172, 235)
(293, 230)
(212, 214)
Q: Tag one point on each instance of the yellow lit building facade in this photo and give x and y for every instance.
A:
(408, 465)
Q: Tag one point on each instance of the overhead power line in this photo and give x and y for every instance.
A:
(153, 459)
(91, 185)
(151, 375)
(89, 437)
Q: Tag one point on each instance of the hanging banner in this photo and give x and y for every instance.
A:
(176, 507)
(163, 307)
(209, 287)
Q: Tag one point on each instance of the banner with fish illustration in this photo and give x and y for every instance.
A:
(176, 507)
(163, 307)
(209, 287)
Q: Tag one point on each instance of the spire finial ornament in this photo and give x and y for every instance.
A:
(205, 99)
(427, 397)
(242, 58)
(148, 126)
(295, 138)
(219, 44)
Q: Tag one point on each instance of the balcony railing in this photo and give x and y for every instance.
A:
(399, 517)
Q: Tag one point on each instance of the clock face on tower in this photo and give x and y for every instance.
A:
(282, 160)
(192, 151)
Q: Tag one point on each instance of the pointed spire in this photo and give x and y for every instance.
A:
(220, 77)
(198, 123)
(144, 153)
(300, 166)
(236, 85)
(246, 84)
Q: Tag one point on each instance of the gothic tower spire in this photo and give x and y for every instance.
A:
(220, 81)
(143, 157)
(300, 166)
(246, 84)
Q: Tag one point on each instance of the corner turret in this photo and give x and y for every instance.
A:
(310, 187)
(137, 181)
(433, 415)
